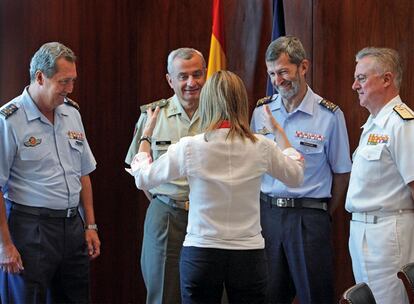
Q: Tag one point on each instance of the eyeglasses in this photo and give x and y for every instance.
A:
(362, 78)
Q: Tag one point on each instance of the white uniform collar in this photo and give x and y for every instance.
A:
(382, 116)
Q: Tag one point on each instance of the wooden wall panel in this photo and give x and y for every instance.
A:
(248, 33)
(298, 22)
(187, 23)
(104, 37)
(162, 27)
(122, 48)
(333, 81)
(341, 29)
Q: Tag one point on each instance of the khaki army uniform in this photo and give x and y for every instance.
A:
(166, 218)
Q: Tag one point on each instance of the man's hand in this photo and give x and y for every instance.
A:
(93, 242)
(10, 260)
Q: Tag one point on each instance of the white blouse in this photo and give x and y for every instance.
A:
(224, 177)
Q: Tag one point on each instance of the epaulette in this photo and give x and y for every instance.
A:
(263, 101)
(159, 103)
(405, 112)
(72, 103)
(8, 110)
(328, 105)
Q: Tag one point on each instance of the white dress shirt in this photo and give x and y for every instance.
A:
(224, 177)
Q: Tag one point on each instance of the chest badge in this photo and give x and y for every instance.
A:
(307, 135)
(374, 139)
(32, 142)
(264, 131)
(76, 135)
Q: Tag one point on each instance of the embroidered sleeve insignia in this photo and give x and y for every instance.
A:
(263, 101)
(8, 110)
(264, 131)
(404, 112)
(159, 103)
(328, 105)
(72, 103)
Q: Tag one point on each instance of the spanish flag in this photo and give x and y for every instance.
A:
(217, 57)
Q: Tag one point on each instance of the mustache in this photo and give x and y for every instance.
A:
(282, 88)
(285, 82)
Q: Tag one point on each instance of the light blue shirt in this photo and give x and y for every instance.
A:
(41, 163)
(315, 131)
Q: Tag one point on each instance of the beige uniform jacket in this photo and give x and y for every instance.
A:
(172, 124)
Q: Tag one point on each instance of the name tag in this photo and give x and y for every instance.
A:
(308, 144)
(163, 142)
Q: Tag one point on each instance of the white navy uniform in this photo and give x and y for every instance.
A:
(381, 203)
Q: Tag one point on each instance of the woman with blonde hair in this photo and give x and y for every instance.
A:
(224, 166)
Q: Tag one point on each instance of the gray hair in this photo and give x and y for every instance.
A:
(183, 53)
(289, 45)
(45, 58)
(387, 60)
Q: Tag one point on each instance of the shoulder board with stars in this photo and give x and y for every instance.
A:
(159, 103)
(263, 101)
(328, 105)
(72, 103)
(405, 112)
(8, 110)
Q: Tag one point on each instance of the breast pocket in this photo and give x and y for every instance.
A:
(309, 147)
(368, 161)
(313, 152)
(34, 153)
(35, 159)
(76, 150)
(159, 148)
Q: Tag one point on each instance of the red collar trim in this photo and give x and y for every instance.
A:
(225, 124)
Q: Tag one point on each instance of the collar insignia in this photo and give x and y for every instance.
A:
(264, 131)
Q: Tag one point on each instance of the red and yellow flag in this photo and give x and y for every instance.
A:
(217, 57)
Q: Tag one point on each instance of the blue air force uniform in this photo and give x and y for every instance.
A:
(40, 167)
(297, 232)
